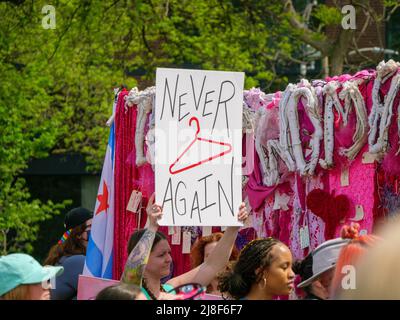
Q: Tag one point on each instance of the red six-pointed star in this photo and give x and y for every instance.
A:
(103, 199)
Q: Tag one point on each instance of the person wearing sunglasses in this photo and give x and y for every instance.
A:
(150, 257)
(70, 253)
(124, 291)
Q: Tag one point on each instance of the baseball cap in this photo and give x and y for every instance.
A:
(76, 217)
(20, 268)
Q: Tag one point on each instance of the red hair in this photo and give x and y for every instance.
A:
(352, 252)
(197, 252)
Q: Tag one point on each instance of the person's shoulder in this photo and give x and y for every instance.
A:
(75, 260)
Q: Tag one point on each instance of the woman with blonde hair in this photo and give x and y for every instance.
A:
(23, 278)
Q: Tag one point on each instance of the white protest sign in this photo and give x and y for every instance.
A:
(198, 147)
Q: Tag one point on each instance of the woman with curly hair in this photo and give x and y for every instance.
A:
(201, 249)
(263, 271)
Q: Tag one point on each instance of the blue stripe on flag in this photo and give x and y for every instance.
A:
(111, 143)
(99, 250)
(94, 259)
(108, 272)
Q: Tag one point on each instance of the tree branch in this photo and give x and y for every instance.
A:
(306, 34)
(288, 57)
(391, 12)
(64, 32)
(360, 53)
(4, 232)
(112, 5)
(376, 17)
(144, 39)
(15, 2)
(365, 26)
(167, 8)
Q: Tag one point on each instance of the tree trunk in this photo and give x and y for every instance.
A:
(336, 63)
(325, 67)
(4, 249)
(339, 51)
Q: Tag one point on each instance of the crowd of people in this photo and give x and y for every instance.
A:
(352, 266)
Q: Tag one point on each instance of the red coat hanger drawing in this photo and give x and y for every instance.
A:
(197, 138)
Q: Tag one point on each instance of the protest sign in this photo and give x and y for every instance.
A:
(198, 146)
(89, 287)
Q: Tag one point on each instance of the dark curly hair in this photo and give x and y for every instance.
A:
(237, 281)
(303, 268)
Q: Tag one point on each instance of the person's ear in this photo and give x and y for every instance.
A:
(318, 284)
(258, 272)
(263, 272)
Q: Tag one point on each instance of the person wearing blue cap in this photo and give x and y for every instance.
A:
(23, 278)
(70, 253)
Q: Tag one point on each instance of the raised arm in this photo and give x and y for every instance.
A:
(217, 260)
(137, 260)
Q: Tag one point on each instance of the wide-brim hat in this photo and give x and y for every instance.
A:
(324, 258)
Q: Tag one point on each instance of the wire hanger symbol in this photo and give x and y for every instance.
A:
(197, 138)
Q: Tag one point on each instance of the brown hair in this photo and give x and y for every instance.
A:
(197, 252)
(18, 293)
(71, 246)
(137, 235)
(121, 291)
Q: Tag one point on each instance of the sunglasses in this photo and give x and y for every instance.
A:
(88, 234)
(189, 291)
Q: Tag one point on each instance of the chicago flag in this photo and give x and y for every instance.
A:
(99, 253)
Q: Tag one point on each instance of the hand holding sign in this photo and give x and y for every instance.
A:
(198, 146)
(154, 213)
(243, 213)
(242, 216)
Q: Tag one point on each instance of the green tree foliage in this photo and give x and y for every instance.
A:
(56, 84)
